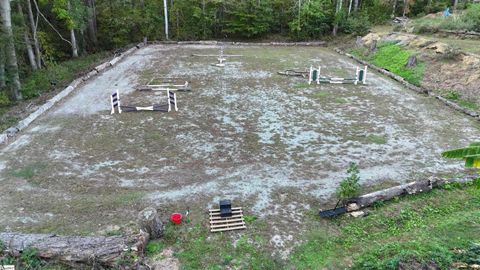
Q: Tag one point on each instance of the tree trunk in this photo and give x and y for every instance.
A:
(3, 82)
(455, 3)
(10, 55)
(394, 8)
(33, 27)
(26, 38)
(337, 10)
(73, 40)
(405, 7)
(350, 7)
(150, 222)
(405, 189)
(75, 250)
(91, 27)
(355, 6)
(165, 12)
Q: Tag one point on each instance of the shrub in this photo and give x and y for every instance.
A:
(349, 187)
(358, 25)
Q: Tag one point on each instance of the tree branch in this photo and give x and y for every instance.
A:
(54, 29)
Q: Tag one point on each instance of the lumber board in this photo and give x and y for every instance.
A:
(228, 229)
(225, 221)
(233, 209)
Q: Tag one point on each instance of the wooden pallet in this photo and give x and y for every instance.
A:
(220, 224)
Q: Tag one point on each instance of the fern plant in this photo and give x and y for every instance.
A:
(470, 154)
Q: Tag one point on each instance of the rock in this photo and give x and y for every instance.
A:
(475, 266)
(357, 214)
(439, 47)
(459, 265)
(11, 131)
(368, 39)
(352, 207)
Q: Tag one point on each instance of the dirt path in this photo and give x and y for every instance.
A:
(272, 144)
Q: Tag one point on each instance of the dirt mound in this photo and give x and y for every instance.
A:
(446, 68)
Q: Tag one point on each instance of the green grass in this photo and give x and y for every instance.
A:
(376, 139)
(455, 96)
(468, 104)
(301, 85)
(424, 227)
(62, 73)
(321, 94)
(393, 58)
(28, 172)
(197, 248)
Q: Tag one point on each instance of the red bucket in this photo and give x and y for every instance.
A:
(176, 218)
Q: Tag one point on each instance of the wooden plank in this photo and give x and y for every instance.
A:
(218, 210)
(227, 225)
(237, 212)
(226, 221)
(228, 229)
(212, 217)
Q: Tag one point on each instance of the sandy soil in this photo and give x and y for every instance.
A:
(270, 143)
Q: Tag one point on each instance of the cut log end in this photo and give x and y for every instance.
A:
(150, 222)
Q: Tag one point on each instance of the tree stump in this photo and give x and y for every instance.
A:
(412, 61)
(150, 222)
(359, 42)
(373, 46)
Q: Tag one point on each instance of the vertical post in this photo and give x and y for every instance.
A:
(165, 11)
(364, 81)
(357, 75)
(168, 100)
(318, 75)
(119, 105)
(310, 75)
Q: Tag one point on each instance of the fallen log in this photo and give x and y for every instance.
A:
(405, 189)
(75, 250)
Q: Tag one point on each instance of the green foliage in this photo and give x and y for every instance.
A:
(29, 259)
(4, 99)
(248, 18)
(452, 95)
(470, 154)
(472, 16)
(392, 57)
(154, 247)
(414, 253)
(378, 11)
(315, 20)
(40, 81)
(471, 255)
(469, 20)
(349, 187)
(357, 25)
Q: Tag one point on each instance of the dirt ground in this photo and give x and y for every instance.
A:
(272, 144)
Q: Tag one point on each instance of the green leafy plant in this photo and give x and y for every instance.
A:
(470, 154)
(154, 247)
(452, 94)
(349, 187)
